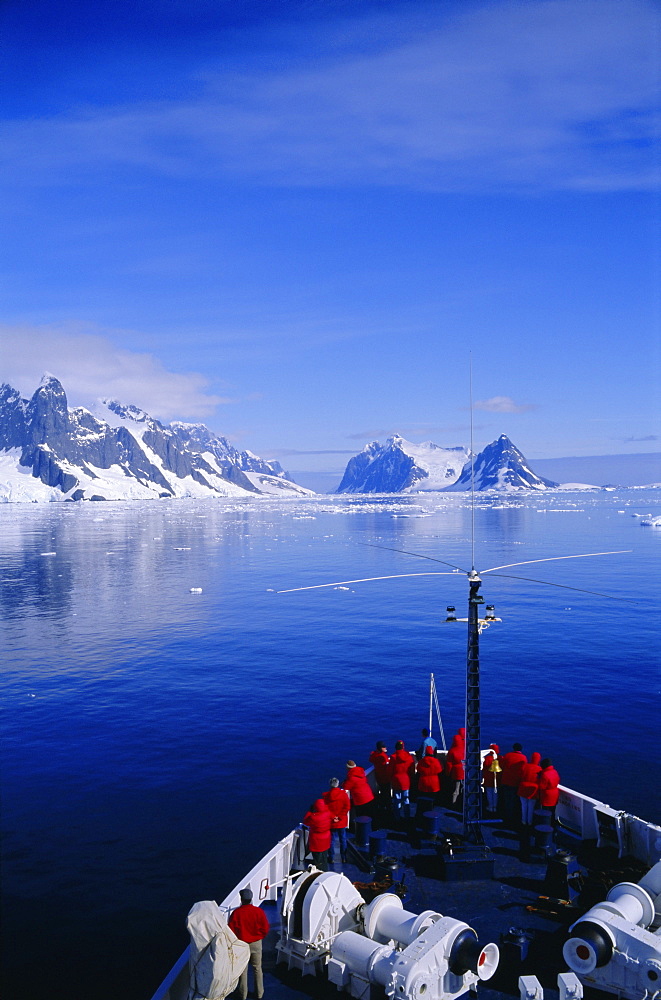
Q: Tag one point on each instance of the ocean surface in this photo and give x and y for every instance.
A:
(157, 741)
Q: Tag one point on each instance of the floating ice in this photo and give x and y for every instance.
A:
(48, 553)
(196, 590)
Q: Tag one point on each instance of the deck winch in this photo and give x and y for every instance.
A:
(315, 909)
(411, 956)
(616, 945)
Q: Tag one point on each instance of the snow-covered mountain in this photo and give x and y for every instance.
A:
(400, 466)
(501, 466)
(49, 452)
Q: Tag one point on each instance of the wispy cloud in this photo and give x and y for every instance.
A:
(502, 404)
(547, 94)
(89, 366)
(414, 430)
(284, 452)
(371, 435)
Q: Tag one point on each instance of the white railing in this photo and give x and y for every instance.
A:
(590, 819)
(270, 873)
(265, 880)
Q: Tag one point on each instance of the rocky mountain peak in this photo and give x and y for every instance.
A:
(500, 466)
(47, 413)
(126, 412)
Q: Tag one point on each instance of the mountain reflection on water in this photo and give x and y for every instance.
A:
(158, 741)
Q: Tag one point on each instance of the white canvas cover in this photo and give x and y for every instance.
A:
(217, 956)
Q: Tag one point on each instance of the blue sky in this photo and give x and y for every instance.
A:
(293, 220)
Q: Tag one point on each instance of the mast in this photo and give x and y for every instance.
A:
(473, 762)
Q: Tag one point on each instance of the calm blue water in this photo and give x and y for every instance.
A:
(157, 742)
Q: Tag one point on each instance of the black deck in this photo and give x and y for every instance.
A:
(520, 908)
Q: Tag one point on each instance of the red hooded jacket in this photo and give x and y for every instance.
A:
(380, 760)
(319, 823)
(429, 769)
(338, 803)
(454, 761)
(402, 767)
(548, 782)
(528, 785)
(357, 786)
(512, 764)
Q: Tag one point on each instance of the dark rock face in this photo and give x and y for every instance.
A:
(198, 438)
(13, 425)
(501, 466)
(393, 472)
(59, 445)
(47, 415)
(358, 468)
(379, 469)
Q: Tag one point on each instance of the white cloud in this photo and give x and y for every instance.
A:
(89, 366)
(502, 404)
(416, 431)
(548, 93)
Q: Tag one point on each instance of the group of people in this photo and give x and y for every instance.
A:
(513, 786)
(516, 786)
(396, 775)
(327, 819)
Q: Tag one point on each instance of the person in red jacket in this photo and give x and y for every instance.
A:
(490, 776)
(454, 767)
(380, 760)
(402, 768)
(428, 770)
(249, 923)
(528, 788)
(339, 805)
(318, 819)
(511, 764)
(357, 785)
(548, 781)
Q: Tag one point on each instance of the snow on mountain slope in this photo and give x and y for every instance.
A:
(401, 466)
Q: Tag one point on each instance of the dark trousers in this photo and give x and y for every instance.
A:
(510, 805)
(320, 859)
